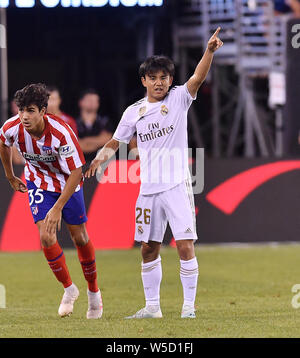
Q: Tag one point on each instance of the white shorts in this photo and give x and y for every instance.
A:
(175, 206)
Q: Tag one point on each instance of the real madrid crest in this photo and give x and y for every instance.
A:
(164, 110)
(142, 111)
(140, 229)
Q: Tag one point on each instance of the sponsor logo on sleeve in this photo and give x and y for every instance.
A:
(66, 151)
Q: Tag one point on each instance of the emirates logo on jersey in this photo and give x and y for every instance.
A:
(155, 134)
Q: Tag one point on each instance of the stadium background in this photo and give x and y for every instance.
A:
(77, 48)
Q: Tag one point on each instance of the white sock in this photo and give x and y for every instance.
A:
(93, 294)
(70, 289)
(151, 277)
(94, 298)
(189, 278)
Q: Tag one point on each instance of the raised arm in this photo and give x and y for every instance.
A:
(201, 71)
(105, 154)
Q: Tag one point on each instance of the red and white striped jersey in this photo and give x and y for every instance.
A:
(50, 159)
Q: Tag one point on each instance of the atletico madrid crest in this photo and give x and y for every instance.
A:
(47, 150)
(34, 210)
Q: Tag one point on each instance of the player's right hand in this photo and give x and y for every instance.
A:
(93, 168)
(17, 184)
(214, 42)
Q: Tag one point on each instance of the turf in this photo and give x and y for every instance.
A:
(242, 292)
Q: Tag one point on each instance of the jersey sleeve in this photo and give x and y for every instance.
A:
(8, 131)
(7, 141)
(70, 154)
(126, 127)
(182, 95)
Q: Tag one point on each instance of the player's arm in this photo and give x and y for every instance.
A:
(91, 144)
(104, 155)
(16, 156)
(133, 150)
(201, 71)
(53, 217)
(6, 158)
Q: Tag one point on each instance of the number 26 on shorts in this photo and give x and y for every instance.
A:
(140, 216)
(36, 197)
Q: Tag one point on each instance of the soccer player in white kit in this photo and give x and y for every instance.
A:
(160, 121)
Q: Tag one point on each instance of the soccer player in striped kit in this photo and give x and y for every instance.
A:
(160, 121)
(53, 173)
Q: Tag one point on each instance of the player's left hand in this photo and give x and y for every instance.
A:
(214, 42)
(53, 220)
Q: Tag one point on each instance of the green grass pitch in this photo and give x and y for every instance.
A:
(242, 292)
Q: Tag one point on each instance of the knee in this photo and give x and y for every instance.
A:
(185, 249)
(46, 239)
(80, 237)
(150, 252)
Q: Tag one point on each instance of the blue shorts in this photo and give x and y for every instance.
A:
(41, 201)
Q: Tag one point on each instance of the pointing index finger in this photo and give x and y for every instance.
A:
(217, 32)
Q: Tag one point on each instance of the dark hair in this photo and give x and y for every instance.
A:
(156, 63)
(33, 94)
(88, 91)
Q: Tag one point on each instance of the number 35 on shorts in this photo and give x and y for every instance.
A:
(142, 216)
(35, 196)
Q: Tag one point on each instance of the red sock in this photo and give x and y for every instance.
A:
(86, 256)
(57, 262)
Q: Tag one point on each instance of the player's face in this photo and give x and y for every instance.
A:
(157, 85)
(32, 118)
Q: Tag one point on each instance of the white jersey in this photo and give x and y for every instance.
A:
(49, 160)
(162, 141)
